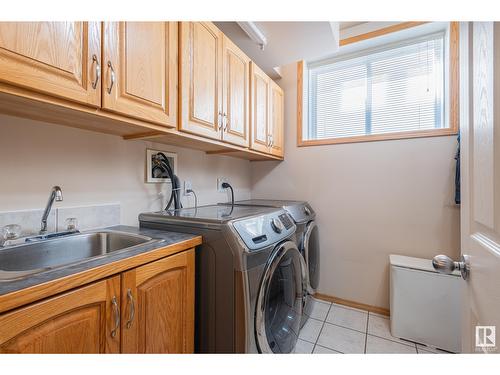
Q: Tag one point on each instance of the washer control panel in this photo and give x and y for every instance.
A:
(277, 225)
(287, 222)
(301, 213)
(261, 231)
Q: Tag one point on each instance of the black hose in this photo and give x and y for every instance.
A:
(174, 195)
(226, 185)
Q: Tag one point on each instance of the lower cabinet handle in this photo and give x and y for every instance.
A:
(132, 308)
(226, 121)
(116, 311)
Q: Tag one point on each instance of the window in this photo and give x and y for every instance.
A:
(389, 92)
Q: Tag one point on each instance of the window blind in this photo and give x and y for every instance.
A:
(392, 89)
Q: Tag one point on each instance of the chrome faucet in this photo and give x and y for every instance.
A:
(55, 194)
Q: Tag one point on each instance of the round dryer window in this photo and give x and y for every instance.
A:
(279, 303)
(311, 254)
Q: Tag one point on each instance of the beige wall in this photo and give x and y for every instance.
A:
(372, 199)
(95, 168)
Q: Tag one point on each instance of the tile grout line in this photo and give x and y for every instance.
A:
(340, 325)
(324, 322)
(393, 339)
(402, 342)
(349, 328)
(319, 320)
(322, 326)
(366, 333)
(384, 338)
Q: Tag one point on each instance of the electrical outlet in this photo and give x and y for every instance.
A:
(220, 181)
(188, 185)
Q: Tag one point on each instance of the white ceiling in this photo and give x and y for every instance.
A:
(287, 42)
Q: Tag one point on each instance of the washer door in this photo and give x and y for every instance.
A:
(311, 254)
(279, 303)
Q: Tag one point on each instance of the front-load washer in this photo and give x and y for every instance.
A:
(249, 276)
(307, 239)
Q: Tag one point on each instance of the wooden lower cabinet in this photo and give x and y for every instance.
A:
(158, 306)
(148, 309)
(80, 321)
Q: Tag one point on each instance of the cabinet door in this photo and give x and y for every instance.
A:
(260, 109)
(235, 93)
(158, 306)
(201, 77)
(80, 321)
(57, 58)
(140, 70)
(277, 119)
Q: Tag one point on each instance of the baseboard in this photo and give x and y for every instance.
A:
(356, 305)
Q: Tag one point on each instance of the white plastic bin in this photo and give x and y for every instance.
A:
(425, 305)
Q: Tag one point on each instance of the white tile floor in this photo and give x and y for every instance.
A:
(335, 329)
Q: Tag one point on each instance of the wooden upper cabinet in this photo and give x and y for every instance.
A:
(277, 122)
(201, 79)
(259, 91)
(158, 306)
(57, 58)
(80, 321)
(236, 92)
(267, 113)
(140, 70)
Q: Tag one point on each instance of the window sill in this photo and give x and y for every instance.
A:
(378, 137)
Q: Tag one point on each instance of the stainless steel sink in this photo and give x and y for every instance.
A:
(27, 259)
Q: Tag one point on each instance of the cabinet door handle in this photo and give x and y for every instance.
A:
(110, 66)
(116, 311)
(226, 121)
(97, 71)
(132, 308)
(272, 141)
(219, 118)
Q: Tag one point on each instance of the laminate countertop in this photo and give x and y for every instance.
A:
(73, 275)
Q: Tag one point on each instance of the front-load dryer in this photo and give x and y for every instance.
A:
(306, 239)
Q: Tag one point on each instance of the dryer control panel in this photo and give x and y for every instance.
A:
(261, 231)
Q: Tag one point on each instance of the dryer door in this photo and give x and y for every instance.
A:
(279, 303)
(311, 255)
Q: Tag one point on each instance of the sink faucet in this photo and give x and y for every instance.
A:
(55, 194)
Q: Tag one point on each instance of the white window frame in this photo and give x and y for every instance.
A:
(366, 47)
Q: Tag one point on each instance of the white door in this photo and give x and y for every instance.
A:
(480, 184)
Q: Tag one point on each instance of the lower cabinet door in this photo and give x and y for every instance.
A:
(158, 306)
(84, 320)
